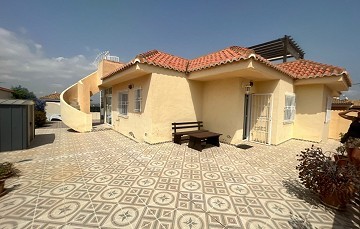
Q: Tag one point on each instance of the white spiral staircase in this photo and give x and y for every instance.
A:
(75, 100)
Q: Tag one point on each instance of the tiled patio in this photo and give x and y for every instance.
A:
(105, 180)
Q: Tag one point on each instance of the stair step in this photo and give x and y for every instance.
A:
(76, 107)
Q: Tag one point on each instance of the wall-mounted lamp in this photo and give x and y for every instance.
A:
(130, 86)
(248, 87)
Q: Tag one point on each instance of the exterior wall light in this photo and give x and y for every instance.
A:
(248, 87)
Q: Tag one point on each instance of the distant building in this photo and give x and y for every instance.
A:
(52, 107)
(344, 104)
(341, 104)
(5, 93)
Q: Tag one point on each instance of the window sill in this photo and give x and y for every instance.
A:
(123, 116)
(288, 122)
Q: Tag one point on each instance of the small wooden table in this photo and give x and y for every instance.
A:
(195, 139)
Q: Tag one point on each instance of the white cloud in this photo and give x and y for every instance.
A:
(22, 30)
(23, 62)
(57, 85)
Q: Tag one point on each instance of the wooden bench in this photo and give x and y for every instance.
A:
(195, 139)
(184, 135)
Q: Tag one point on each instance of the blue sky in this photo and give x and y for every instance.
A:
(48, 45)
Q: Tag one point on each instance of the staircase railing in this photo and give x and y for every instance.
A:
(75, 103)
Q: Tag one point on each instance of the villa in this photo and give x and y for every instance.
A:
(238, 92)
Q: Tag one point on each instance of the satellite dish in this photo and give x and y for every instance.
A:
(105, 56)
(100, 57)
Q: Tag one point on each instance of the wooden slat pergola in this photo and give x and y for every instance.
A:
(282, 48)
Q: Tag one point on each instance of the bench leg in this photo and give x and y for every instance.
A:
(195, 143)
(213, 141)
(177, 139)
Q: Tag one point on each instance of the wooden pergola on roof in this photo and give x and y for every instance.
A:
(279, 49)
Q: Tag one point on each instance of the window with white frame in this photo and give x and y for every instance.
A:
(123, 103)
(289, 110)
(138, 99)
(328, 109)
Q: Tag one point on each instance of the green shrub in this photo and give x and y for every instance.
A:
(40, 118)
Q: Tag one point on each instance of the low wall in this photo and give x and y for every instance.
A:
(338, 125)
(95, 115)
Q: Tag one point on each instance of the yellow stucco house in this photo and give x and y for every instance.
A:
(234, 91)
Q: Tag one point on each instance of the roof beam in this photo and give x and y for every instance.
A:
(285, 47)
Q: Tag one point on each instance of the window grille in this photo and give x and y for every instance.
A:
(289, 110)
(138, 99)
(123, 103)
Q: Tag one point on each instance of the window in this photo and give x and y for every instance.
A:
(138, 99)
(289, 110)
(123, 103)
(328, 109)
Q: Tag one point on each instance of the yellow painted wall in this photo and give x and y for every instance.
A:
(135, 125)
(223, 108)
(338, 125)
(167, 97)
(310, 112)
(326, 125)
(105, 67)
(174, 99)
(280, 131)
(278, 84)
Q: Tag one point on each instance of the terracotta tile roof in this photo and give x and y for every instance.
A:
(165, 60)
(224, 56)
(5, 89)
(221, 57)
(299, 69)
(337, 101)
(305, 69)
(54, 96)
(345, 104)
(340, 104)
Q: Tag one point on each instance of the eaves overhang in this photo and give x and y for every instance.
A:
(130, 72)
(337, 83)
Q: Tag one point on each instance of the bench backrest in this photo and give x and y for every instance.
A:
(186, 125)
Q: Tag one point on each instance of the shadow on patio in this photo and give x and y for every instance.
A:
(42, 139)
(342, 219)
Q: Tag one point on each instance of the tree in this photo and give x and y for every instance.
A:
(40, 114)
(39, 104)
(20, 92)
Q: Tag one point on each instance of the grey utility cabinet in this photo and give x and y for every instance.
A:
(17, 128)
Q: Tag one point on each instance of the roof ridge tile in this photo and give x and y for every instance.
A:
(297, 69)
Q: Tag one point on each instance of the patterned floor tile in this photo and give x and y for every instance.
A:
(193, 220)
(15, 223)
(219, 204)
(104, 180)
(163, 199)
(126, 216)
(255, 223)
